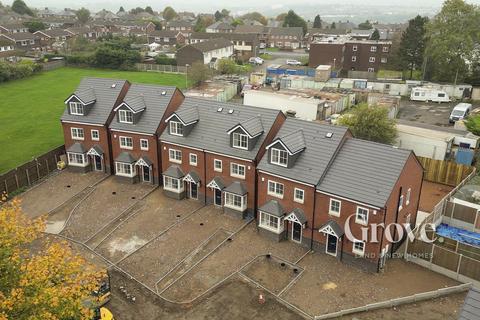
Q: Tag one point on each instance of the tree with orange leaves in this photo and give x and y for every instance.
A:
(41, 279)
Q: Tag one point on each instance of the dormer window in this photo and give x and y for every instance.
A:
(279, 157)
(240, 141)
(176, 128)
(125, 116)
(76, 108)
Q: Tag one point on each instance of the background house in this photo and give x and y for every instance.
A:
(207, 52)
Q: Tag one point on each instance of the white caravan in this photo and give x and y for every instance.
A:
(429, 94)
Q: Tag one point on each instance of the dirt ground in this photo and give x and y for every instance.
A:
(328, 285)
(272, 273)
(104, 204)
(245, 246)
(431, 194)
(445, 308)
(55, 190)
(154, 260)
(235, 299)
(155, 214)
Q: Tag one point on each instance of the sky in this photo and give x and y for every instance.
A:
(307, 8)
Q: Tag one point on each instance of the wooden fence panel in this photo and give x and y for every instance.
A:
(30, 172)
(420, 249)
(470, 268)
(444, 172)
(445, 258)
(464, 213)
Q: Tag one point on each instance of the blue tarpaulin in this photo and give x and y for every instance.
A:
(461, 235)
(464, 156)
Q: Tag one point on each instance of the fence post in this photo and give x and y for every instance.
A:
(46, 162)
(28, 176)
(16, 180)
(458, 265)
(6, 185)
(38, 169)
(431, 255)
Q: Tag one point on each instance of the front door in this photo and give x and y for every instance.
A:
(331, 245)
(296, 232)
(146, 174)
(218, 197)
(193, 190)
(98, 163)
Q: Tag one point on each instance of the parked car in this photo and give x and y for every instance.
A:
(256, 60)
(292, 62)
(460, 112)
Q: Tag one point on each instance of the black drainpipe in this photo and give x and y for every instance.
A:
(383, 235)
(396, 218)
(313, 216)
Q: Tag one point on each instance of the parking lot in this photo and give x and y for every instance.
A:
(192, 259)
(430, 113)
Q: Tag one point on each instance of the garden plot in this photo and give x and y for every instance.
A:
(272, 273)
(156, 214)
(56, 190)
(229, 258)
(158, 257)
(105, 204)
(328, 285)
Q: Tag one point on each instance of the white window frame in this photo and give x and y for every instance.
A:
(73, 156)
(400, 203)
(371, 59)
(75, 107)
(278, 152)
(361, 221)
(371, 69)
(295, 198)
(120, 172)
(385, 49)
(407, 198)
(275, 189)
(75, 132)
(168, 184)
(215, 168)
(237, 175)
(124, 144)
(383, 60)
(240, 138)
(191, 158)
(265, 221)
(92, 135)
(332, 212)
(175, 155)
(141, 144)
(354, 58)
(230, 199)
(357, 251)
(355, 48)
(176, 128)
(123, 116)
(373, 49)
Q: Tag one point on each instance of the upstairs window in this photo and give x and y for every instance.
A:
(217, 165)
(335, 207)
(299, 195)
(275, 189)
(175, 155)
(76, 108)
(193, 159)
(409, 192)
(77, 134)
(354, 48)
(279, 157)
(95, 135)
(125, 116)
(176, 128)
(237, 170)
(362, 216)
(385, 49)
(240, 140)
(371, 59)
(126, 143)
(144, 144)
(373, 49)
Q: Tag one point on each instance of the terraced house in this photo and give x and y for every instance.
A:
(134, 131)
(211, 150)
(315, 180)
(88, 112)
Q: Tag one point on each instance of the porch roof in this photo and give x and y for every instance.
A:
(174, 172)
(77, 147)
(273, 207)
(125, 157)
(236, 188)
(333, 228)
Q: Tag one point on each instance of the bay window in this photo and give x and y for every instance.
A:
(124, 169)
(271, 222)
(236, 202)
(77, 159)
(172, 184)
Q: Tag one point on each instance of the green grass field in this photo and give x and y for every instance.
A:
(30, 109)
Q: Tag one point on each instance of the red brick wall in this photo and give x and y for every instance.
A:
(325, 53)
(88, 142)
(185, 165)
(136, 152)
(277, 124)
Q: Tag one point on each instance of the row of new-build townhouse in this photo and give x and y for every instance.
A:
(305, 182)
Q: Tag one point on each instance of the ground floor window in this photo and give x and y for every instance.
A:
(172, 184)
(77, 159)
(270, 222)
(359, 247)
(235, 201)
(124, 169)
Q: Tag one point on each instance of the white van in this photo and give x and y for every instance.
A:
(428, 94)
(460, 112)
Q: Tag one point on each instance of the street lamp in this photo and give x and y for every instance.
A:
(186, 75)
